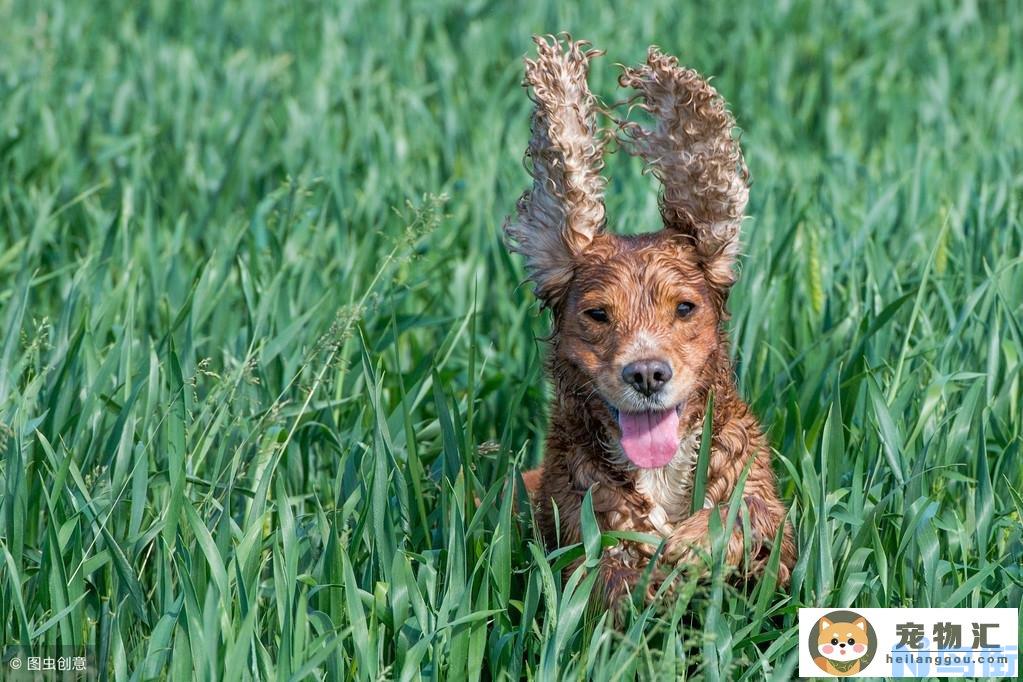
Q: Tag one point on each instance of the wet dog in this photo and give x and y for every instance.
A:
(638, 343)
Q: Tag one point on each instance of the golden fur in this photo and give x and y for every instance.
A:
(636, 285)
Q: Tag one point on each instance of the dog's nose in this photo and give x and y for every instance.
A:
(647, 376)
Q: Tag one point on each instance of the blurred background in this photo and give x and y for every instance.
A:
(262, 346)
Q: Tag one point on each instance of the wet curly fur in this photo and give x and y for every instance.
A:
(637, 284)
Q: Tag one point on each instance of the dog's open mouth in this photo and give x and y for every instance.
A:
(649, 439)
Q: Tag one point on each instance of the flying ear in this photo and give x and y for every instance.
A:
(564, 211)
(691, 150)
(825, 623)
(861, 624)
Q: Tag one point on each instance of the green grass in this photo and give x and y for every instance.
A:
(261, 345)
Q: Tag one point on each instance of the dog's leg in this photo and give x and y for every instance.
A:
(766, 514)
(622, 572)
(620, 577)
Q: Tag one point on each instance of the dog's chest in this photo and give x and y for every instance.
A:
(669, 489)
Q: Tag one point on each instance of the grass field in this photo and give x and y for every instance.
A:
(261, 344)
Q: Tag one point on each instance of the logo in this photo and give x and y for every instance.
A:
(65, 663)
(842, 643)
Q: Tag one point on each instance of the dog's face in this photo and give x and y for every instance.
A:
(842, 641)
(640, 320)
(638, 317)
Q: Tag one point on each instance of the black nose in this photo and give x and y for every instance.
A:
(647, 376)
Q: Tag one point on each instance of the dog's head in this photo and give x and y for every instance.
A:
(639, 317)
(842, 640)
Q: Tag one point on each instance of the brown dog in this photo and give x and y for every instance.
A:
(638, 342)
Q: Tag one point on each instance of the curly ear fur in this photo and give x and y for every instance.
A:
(692, 152)
(690, 149)
(563, 212)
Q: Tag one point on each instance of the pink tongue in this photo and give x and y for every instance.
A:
(650, 439)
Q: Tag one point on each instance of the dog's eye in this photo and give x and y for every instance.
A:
(685, 309)
(834, 640)
(597, 314)
(852, 641)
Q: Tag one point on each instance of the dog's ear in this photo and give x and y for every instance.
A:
(825, 623)
(861, 623)
(691, 149)
(564, 211)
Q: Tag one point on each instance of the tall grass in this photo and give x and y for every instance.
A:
(261, 347)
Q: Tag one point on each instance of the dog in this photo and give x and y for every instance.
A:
(841, 645)
(638, 343)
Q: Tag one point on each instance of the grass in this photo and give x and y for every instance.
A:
(261, 345)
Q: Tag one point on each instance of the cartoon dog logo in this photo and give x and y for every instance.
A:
(844, 643)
